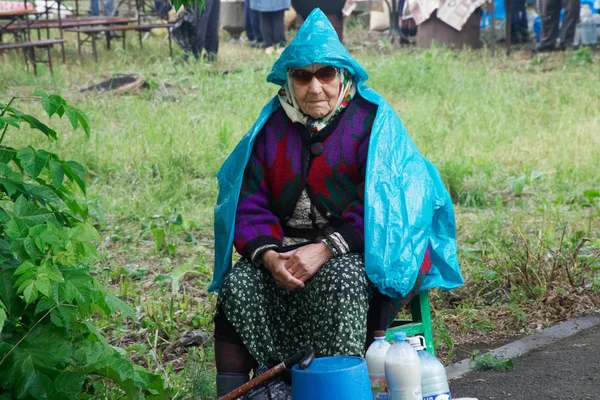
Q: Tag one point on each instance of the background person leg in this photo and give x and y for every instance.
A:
(549, 13)
(211, 43)
(201, 26)
(266, 28)
(570, 19)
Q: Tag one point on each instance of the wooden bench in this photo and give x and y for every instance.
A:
(93, 31)
(31, 46)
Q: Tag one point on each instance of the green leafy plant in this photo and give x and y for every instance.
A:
(49, 348)
(582, 56)
(491, 361)
(165, 229)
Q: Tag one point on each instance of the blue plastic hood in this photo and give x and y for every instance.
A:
(407, 207)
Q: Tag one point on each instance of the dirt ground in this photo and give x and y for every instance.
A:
(566, 370)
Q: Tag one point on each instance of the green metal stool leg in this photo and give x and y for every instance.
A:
(420, 324)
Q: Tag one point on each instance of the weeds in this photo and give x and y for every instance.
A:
(490, 361)
(582, 56)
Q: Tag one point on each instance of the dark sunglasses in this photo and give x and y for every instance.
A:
(324, 75)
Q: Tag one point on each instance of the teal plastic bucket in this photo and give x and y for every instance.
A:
(339, 377)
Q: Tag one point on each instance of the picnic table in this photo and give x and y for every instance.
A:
(12, 16)
(91, 33)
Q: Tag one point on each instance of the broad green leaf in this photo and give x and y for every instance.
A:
(51, 238)
(2, 319)
(23, 373)
(86, 233)
(16, 228)
(69, 314)
(153, 383)
(57, 105)
(32, 251)
(44, 305)
(42, 194)
(69, 383)
(56, 318)
(24, 267)
(34, 123)
(21, 206)
(83, 120)
(44, 100)
(30, 293)
(18, 250)
(33, 162)
(52, 272)
(49, 347)
(7, 154)
(114, 303)
(95, 333)
(4, 217)
(10, 121)
(75, 172)
(24, 280)
(72, 115)
(7, 292)
(57, 172)
(9, 185)
(42, 284)
(35, 217)
(42, 387)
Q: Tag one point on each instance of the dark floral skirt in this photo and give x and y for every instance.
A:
(329, 313)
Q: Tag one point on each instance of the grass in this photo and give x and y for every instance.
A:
(515, 138)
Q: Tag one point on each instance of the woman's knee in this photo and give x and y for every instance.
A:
(342, 273)
(243, 279)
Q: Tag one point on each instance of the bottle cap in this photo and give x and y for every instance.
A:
(379, 334)
(400, 336)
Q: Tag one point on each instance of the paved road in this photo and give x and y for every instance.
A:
(568, 369)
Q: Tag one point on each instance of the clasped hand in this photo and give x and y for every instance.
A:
(293, 268)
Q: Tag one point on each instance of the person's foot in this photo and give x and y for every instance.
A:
(211, 57)
(543, 48)
(269, 50)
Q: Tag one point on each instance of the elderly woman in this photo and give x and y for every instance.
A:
(333, 211)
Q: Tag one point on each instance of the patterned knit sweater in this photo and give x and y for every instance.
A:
(330, 165)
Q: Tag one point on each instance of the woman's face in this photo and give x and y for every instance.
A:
(317, 94)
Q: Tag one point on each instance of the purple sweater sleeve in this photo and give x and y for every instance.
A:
(255, 224)
(353, 230)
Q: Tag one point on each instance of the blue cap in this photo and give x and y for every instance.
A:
(400, 336)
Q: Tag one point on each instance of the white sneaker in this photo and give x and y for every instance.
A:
(269, 50)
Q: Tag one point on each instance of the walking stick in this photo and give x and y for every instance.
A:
(303, 358)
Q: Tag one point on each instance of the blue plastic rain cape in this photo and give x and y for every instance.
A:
(407, 206)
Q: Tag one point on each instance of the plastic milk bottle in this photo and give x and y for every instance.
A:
(376, 365)
(403, 370)
(434, 383)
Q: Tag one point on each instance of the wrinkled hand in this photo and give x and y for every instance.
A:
(304, 262)
(275, 263)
